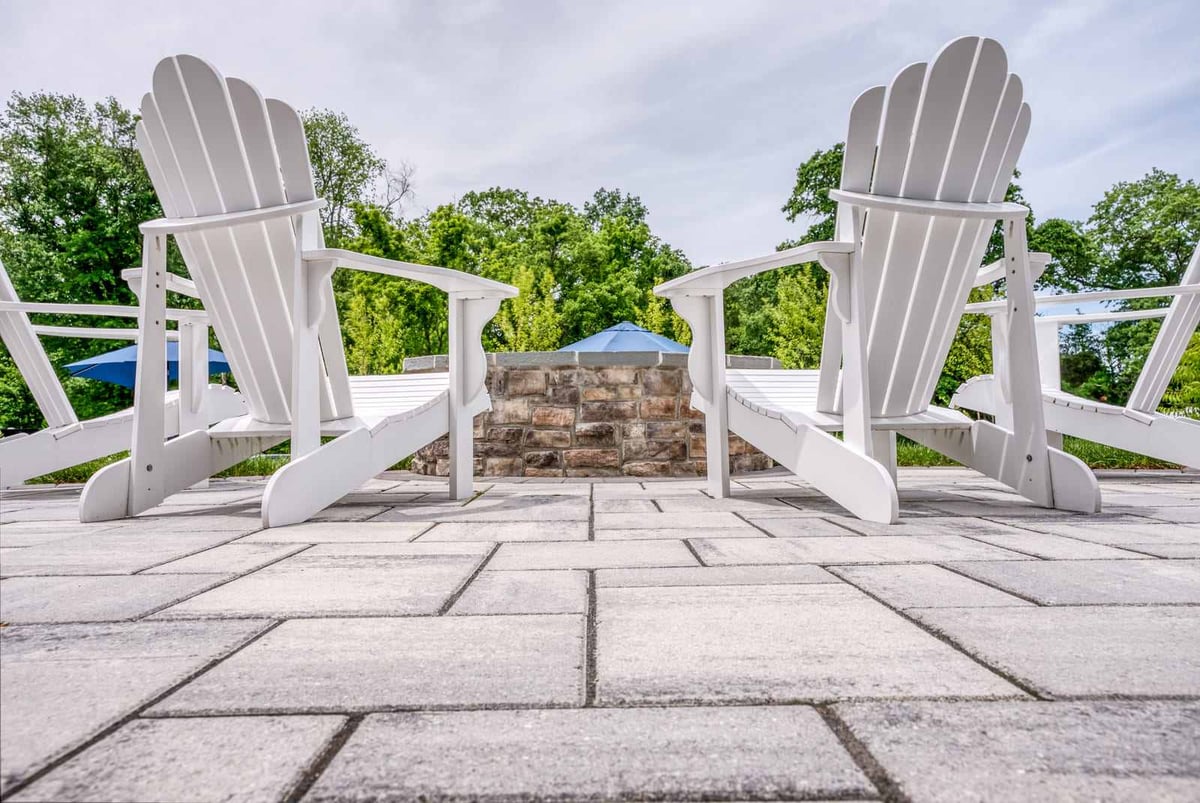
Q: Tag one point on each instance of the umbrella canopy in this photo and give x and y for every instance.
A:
(626, 336)
(120, 366)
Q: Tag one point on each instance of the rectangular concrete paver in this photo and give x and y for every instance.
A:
(524, 592)
(1118, 531)
(508, 531)
(925, 586)
(217, 758)
(848, 549)
(341, 579)
(636, 754)
(115, 551)
(1054, 547)
(675, 520)
(234, 558)
(798, 526)
(34, 600)
(338, 665)
(1082, 651)
(339, 533)
(497, 508)
(926, 525)
(1061, 751)
(1094, 582)
(64, 683)
(592, 555)
(770, 644)
(638, 534)
(714, 576)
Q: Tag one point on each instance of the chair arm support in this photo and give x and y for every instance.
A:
(967, 210)
(1038, 260)
(189, 225)
(715, 278)
(469, 314)
(175, 284)
(445, 279)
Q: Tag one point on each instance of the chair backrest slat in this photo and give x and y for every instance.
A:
(949, 131)
(22, 343)
(211, 147)
(1177, 329)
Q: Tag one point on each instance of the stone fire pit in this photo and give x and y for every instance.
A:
(587, 414)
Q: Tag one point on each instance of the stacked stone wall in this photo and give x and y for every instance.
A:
(565, 414)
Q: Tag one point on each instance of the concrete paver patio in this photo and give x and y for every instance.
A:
(605, 639)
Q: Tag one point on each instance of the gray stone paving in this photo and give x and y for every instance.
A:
(605, 639)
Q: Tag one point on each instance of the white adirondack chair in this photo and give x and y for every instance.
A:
(233, 175)
(927, 162)
(1136, 427)
(66, 441)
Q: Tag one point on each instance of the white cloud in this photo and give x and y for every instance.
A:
(703, 108)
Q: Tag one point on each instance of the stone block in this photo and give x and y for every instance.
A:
(738, 446)
(646, 468)
(637, 449)
(745, 463)
(596, 434)
(503, 467)
(543, 472)
(486, 449)
(562, 394)
(361, 664)
(546, 439)
(635, 430)
(698, 446)
(594, 754)
(948, 752)
(512, 435)
(666, 430)
(510, 411)
(661, 407)
(610, 411)
(229, 758)
(661, 382)
(553, 416)
(619, 375)
(543, 459)
(526, 383)
(762, 643)
(611, 393)
(592, 458)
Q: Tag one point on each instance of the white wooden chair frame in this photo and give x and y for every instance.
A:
(66, 441)
(210, 143)
(789, 414)
(1137, 426)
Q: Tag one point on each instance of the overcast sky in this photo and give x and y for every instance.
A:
(704, 109)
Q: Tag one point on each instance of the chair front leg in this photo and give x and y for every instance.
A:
(1024, 378)
(468, 370)
(146, 481)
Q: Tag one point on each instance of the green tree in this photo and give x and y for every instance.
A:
(348, 171)
(531, 321)
(72, 193)
(797, 318)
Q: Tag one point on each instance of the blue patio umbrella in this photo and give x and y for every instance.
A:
(120, 366)
(626, 336)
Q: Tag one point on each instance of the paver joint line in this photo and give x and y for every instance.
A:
(313, 772)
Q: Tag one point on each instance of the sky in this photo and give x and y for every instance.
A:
(703, 109)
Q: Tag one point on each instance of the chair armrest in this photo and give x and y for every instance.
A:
(94, 334)
(994, 307)
(967, 210)
(188, 225)
(715, 278)
(175, 284)
(1038, 260)
(445, 279)
(100, 310)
